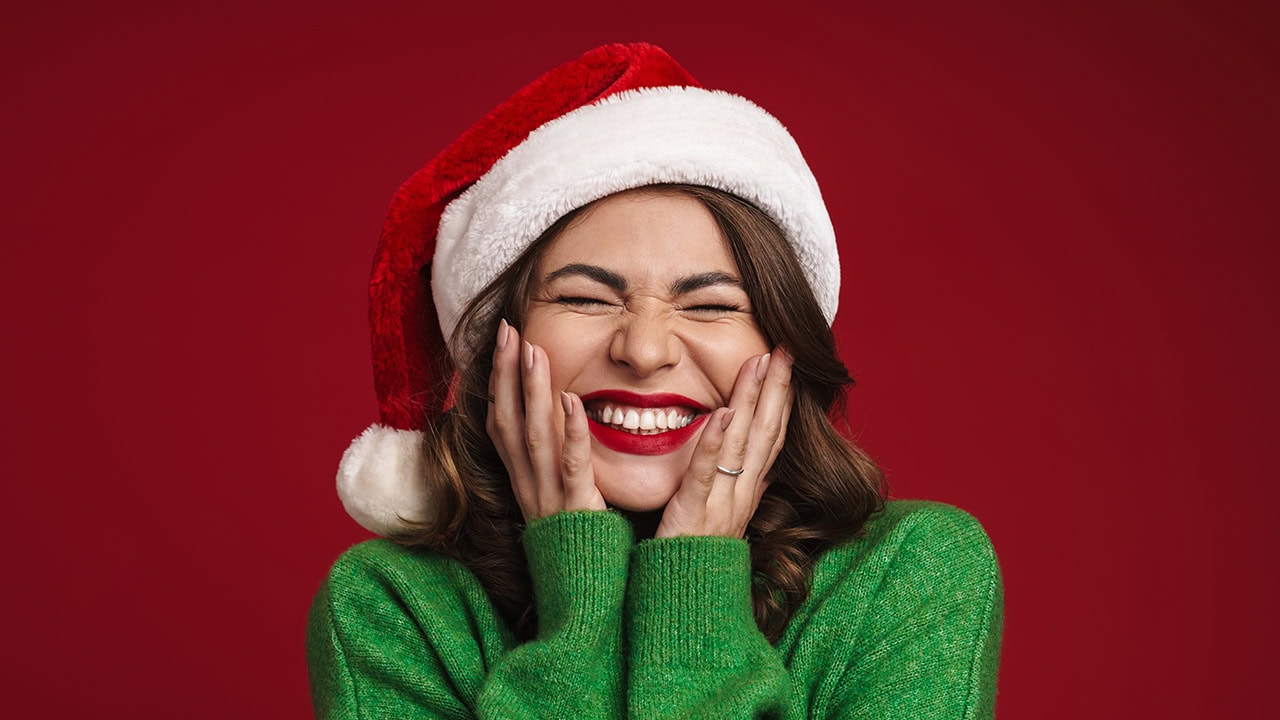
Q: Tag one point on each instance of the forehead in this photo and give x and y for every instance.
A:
(645, 236)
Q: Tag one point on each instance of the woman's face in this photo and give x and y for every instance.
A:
(639, 307)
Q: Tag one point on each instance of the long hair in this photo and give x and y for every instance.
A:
(823, 486)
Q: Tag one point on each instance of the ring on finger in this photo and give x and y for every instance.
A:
(732, 473)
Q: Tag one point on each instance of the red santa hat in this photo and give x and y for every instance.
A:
(616, 118)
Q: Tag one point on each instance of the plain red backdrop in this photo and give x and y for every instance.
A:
(1058, 229)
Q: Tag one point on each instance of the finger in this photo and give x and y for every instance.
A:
(701, 475)
(505, 421)
(686, 513)
(541, 433)
(768, 429)
(780, 441)
(575, 458)
(759, 495)
(766, 477)
(733, 454)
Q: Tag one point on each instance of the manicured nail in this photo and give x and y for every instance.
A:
(726, 419)
(502, 333)
(528, 356)
(762, 367)
(567, 402)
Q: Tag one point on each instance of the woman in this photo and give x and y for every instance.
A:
(618, 492)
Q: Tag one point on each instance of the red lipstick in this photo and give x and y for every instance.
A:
(633, 444)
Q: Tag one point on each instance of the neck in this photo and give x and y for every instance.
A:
(643, 523)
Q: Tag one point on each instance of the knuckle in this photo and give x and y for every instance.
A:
(503, 425)
(573, 432)
(771, 427)
(572, 464)
(534, 436)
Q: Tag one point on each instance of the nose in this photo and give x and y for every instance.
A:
(644, 342)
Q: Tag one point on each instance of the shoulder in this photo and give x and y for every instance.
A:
(909, 614)
(379, 562)
(916, 548)
(379, 577)
(381, 558)
(920, 588)
(944, 530)
(390, 623)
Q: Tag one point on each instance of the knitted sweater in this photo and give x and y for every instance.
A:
(903, 623)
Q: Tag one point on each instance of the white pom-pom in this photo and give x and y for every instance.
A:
(380, 479)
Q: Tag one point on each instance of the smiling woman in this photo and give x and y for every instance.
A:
(640, 307)
(611, 478)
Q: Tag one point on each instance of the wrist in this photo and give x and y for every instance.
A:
(690, 597)
(578, 566)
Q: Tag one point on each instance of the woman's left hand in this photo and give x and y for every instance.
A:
(746, 436)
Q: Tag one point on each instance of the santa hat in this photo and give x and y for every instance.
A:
(616, 118)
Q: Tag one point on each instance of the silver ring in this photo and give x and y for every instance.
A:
(727, 471)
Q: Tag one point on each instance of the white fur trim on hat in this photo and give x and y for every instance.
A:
(380, 479)
(625, 141)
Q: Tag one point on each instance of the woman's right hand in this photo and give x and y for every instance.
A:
(549, 472)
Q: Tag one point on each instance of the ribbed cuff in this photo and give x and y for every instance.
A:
(689, 600)
(578, 564)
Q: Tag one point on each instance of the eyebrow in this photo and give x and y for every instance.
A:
(594, 272)
(680, 286)
(696, 282)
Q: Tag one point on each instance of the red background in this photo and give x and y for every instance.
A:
(1058, 228)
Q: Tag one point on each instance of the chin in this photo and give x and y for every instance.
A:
(630, 483)
(632, 501)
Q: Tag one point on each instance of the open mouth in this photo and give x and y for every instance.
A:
(642, 424)
(640, 420)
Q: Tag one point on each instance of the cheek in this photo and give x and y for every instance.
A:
(570, 346)
(721, 358)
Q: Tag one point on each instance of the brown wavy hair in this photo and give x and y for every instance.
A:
(823, 486)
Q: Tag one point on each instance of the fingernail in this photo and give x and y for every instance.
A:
(528, 356)
(567, 402)
(502, 333)
(762, 366)
(726, 419)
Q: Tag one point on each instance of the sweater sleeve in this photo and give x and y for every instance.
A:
(573, 668)
(695, 650)
(903, 624)
(929, 643)
(389, 640)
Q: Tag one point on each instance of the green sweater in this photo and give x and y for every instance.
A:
(901, 624)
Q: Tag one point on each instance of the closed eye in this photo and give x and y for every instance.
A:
(713, 308)
(579, 301)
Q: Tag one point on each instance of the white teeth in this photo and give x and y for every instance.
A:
(643, 421)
